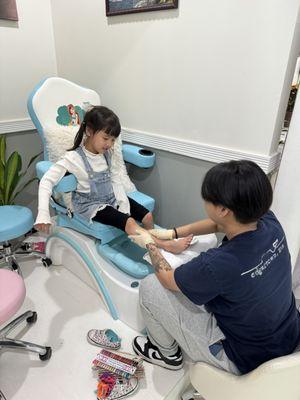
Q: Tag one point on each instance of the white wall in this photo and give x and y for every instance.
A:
(212, 71)
(27, 55)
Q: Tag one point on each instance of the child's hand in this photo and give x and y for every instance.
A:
(43, 227)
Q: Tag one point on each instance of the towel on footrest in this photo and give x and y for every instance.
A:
(199, 244)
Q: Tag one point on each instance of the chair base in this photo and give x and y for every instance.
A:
(11, 253)
(5, 342)
(79, 254)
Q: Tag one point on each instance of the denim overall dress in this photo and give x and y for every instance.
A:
(101, 190)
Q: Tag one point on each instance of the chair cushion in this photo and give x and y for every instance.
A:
(15, 222)
(58, 140)
(12, 294)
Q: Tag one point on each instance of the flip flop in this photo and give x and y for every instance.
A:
(105, 338)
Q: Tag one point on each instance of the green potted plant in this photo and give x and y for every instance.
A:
(11, 175)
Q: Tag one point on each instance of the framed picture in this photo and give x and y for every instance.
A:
(8, 10)
(117, 7)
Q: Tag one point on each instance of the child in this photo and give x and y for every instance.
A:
(231, 306)
(100, 195)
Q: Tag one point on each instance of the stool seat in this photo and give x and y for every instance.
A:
(12, 294)
(15, 222)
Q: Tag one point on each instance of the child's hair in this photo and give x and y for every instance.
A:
(241, 186)
(98, 118)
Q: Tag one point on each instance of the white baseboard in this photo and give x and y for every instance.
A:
(200, 151)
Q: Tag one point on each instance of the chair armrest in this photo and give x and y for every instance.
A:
(42, 167)
(67, 184)
(138, 156)
(143, 199)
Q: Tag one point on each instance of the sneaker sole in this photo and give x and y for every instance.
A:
(101, 345)
(157, 362)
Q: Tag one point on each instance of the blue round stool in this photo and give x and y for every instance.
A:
(15, 222)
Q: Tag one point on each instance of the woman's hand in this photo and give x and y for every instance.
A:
(43, 227)
(165, 234)
(142, 238)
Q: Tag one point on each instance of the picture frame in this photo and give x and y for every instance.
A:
(119, 7)
(8, 10)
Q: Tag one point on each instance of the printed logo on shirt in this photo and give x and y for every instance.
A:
(266, 259)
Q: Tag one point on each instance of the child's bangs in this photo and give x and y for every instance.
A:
(113, 130)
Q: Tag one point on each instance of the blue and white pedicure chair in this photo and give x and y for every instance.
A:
(101, 255)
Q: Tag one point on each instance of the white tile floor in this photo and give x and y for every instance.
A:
(67, 308)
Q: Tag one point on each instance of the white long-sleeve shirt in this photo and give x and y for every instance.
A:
(72, 162)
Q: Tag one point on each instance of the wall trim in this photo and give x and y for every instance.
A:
(197, 150)
(16, 125)
(186, 148)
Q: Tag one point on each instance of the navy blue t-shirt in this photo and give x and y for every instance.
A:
(246, 284)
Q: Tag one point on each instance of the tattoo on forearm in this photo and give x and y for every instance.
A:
(158, 261)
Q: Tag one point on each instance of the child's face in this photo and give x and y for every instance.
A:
(99, 142)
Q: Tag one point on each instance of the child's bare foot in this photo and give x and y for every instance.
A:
(147, 221)
(175, 246)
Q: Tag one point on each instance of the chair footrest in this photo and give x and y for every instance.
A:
(127, 256)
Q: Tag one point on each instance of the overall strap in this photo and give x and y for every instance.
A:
(107, 157)
(84, 159)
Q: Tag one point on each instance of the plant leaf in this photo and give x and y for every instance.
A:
(11, 175)
(23, 187)
(1, 176)
(2, 159)
(30, 162)
(1, 197)
(2, 148)
(33, 158)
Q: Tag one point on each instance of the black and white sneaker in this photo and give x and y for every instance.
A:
(149, 352)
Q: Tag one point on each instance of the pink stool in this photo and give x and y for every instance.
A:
(12, 295)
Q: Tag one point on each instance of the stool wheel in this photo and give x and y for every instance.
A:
(14, 266)
(47, 355)
(25, 246)
(33, 318)
(46, 261)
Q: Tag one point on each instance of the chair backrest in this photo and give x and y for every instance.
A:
(52, 93)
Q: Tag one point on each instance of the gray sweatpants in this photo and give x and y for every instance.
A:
(172, 319)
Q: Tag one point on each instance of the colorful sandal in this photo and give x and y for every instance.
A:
(105, 338)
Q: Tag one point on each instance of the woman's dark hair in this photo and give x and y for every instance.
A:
(98, 118)
(241, 186)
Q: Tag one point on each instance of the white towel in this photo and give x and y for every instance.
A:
(199, 244)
